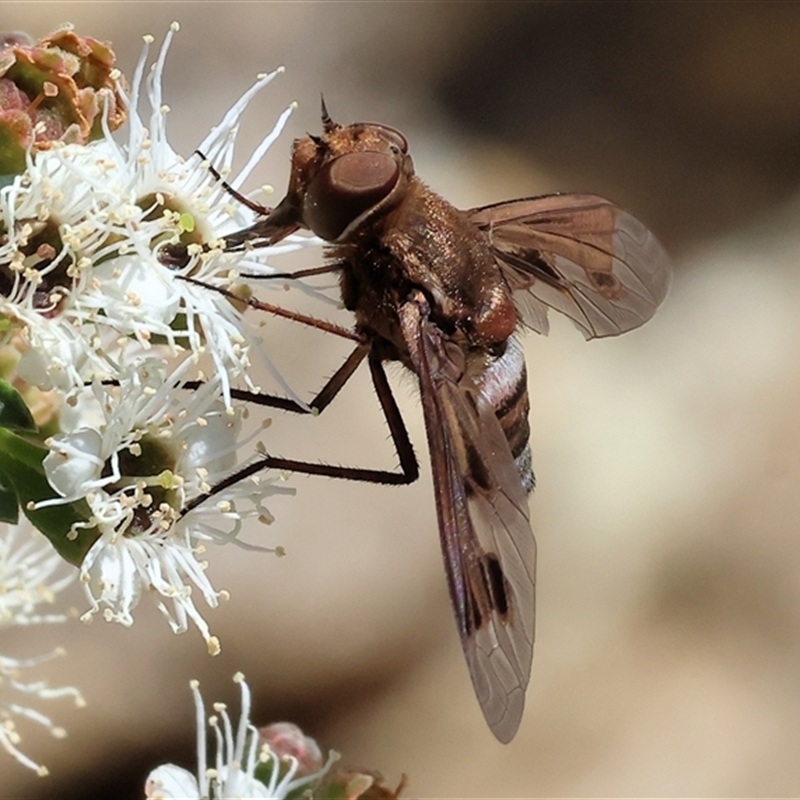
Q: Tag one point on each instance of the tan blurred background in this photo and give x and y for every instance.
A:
(668, 503)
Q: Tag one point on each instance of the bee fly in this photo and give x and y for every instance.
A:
(444, 292)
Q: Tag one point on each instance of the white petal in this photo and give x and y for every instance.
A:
(140, 288)
(74, 462)
(169, 782)
(212, 445)
(53, 361)
(111, 577)
(237, 783)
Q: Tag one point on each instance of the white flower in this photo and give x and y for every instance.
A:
(28, 579)
(239, 756)
(28, 566)
(137, 454)
(80, 266)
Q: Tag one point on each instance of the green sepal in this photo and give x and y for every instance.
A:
(14, 414)
(21, 468)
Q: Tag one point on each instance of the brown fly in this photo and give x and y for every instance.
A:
(445, 292)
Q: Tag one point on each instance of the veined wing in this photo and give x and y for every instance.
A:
(484, 525)
(581, 255)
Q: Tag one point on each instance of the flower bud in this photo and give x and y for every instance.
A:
(286, 739)
(54, 90)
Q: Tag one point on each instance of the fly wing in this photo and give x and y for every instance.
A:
(578, 254)
(484, 525)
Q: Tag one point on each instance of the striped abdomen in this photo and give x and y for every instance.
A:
(503, 386)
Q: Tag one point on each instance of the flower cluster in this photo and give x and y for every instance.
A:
(141, 361)
(277, 761)
(52, 92)
(118, 417)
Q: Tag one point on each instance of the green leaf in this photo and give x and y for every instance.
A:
(14, 414)
(22, 468)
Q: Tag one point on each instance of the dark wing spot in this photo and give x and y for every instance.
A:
(477, 474)
(495, 583)
(491, 594)
(606, 283)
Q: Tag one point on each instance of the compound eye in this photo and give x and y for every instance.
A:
(346, 188)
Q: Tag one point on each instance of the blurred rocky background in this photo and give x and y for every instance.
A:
(667, 509)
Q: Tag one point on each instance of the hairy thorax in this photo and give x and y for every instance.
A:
(425, 243)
